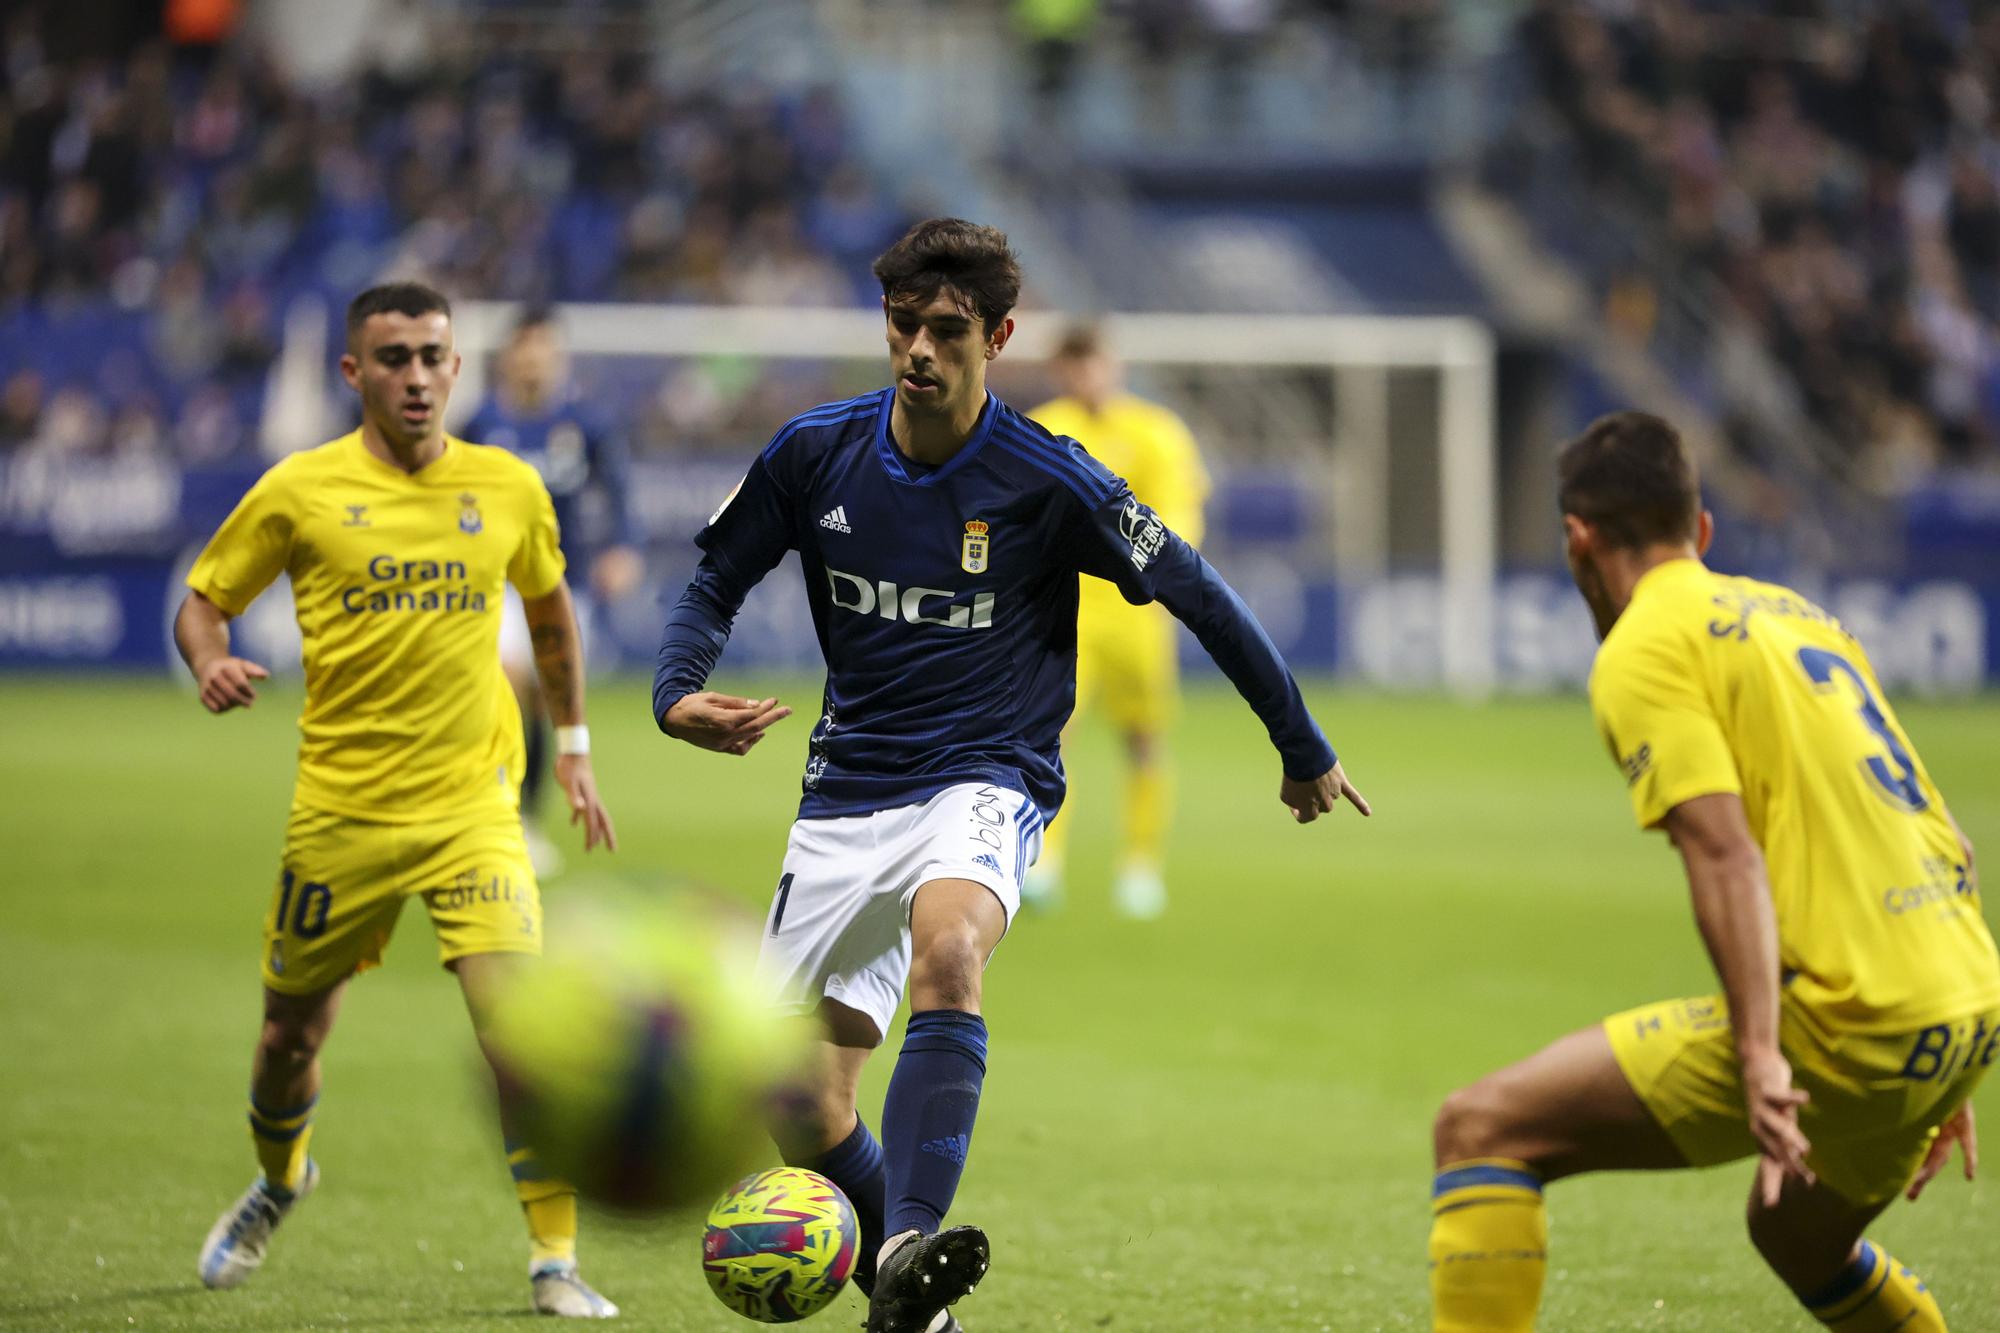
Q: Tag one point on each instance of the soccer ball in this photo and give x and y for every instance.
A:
(638, 1059)
(780, 1245)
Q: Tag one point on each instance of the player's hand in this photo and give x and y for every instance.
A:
(225, 683)
(722, 722)
(1961, 1130)
(616, 572)
(1774, 1105)
(1309, 800)
(579, 783)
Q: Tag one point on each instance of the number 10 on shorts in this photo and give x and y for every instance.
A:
(306, 908)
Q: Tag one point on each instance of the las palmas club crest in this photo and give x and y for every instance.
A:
(469, 521)
(972, 557)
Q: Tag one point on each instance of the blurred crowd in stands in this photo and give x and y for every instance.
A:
(1832, 169)
(163, 203)
(1231, 37)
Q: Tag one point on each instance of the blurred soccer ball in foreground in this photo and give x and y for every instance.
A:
(637, 1058)
(780, 1245)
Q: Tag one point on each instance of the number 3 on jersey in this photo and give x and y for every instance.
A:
(1896, 776)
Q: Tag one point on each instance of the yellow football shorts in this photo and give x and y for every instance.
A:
(1877, 1100)
(343, 881)
(1129, 670)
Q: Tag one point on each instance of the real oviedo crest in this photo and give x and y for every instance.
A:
(469, 521)
(972, 557)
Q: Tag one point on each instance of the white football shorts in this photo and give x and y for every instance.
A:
(516, 652)
(839, 926)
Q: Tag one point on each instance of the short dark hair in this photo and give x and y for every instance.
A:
(1630, 475)
(974, 262)
(1079, 341)
(394, 298)
(534, 315)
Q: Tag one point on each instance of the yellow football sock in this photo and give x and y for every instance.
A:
(281, 1137)
(1875, 1294)
(1149, 804)
(1489, 1247)
(550, 1207)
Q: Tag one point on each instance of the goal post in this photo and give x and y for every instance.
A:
(1357, 354)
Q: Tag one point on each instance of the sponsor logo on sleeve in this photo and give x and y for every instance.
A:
(725, 501)
(1143, 532)
(1637, 764)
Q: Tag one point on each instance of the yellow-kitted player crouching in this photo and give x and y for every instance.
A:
(399, 541)
(1126, 661)
(1860, 1000)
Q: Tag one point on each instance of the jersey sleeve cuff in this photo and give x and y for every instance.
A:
(529, 595)
(1308, 766)
(223, 601)
(1654, 812)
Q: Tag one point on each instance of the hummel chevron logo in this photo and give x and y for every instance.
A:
(836, 519)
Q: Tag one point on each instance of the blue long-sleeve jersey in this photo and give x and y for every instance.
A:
(577, 454)
(945, 603)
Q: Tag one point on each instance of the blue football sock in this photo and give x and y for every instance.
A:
(927, 1119)
(855, 1164)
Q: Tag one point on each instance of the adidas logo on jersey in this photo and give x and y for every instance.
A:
(836, 519)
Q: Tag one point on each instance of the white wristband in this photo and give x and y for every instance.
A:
(572, 740)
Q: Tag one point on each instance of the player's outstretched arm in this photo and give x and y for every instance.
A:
(1733, 908)
(559, 664)
(1130, 546)
(743, 542)
(721, 722)
(201, 632)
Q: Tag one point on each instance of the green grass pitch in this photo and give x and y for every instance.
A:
(1219, 1121)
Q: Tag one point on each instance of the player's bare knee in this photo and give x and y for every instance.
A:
(289, 1044)
(294, 1027)
(1472, 1122)
(945, 974)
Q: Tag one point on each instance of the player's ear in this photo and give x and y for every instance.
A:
(350, 370)
(998, 338)
(1577, 537)
(1704, 533)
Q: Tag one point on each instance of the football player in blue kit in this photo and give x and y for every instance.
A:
(941, 534)
(535, 413)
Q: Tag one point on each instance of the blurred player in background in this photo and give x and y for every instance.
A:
(536, 413)
(941, 535)
(1860, 999)
(1125, 654)
(398, 540)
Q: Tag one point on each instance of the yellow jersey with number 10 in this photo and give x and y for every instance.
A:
(1714, 684)
(397, 580)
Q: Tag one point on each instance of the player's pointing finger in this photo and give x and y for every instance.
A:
(1354, 797)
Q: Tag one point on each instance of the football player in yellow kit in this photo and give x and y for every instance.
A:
(399, 541)
(1125, 662)
(1860, 990)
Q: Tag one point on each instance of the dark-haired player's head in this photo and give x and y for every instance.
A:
(1630, 497)
(947, 289)
(534, 363)
(1084, 367)
(401, 360)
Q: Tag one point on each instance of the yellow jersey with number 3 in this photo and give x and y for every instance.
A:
(1711, 684)
(397, 581)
